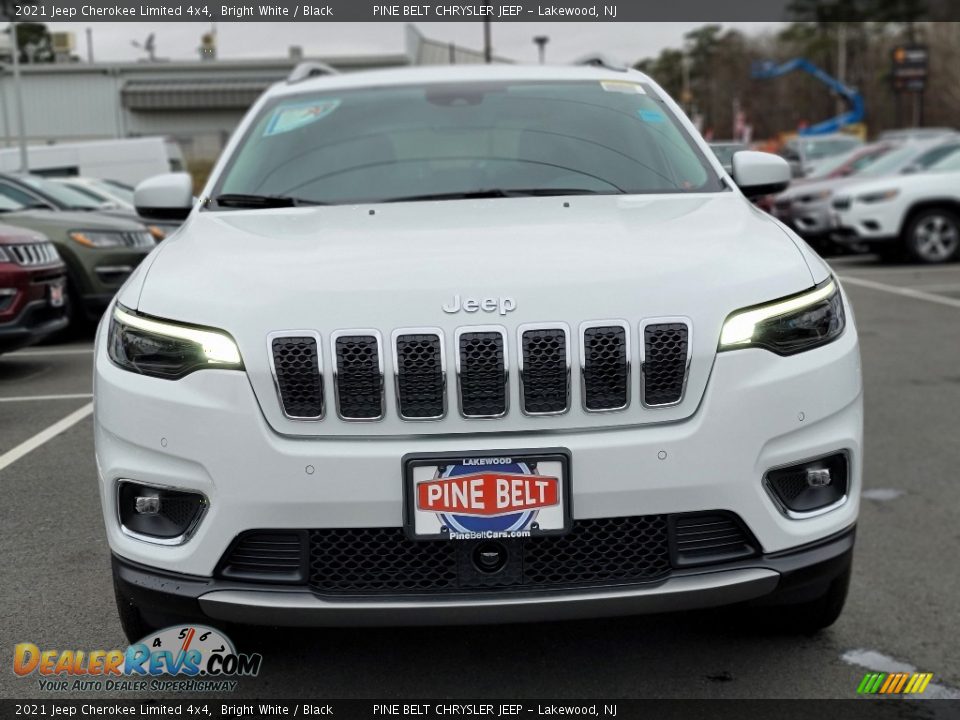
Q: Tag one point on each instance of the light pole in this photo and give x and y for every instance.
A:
(541, 42)
(487, 45)
(18, 91)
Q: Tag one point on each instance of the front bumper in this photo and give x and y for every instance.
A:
(37, 320)
(795, 576)
(876, 222)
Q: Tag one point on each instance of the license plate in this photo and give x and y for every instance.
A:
(487, 496)
(56, 295)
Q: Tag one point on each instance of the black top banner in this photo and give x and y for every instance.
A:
(488, 10)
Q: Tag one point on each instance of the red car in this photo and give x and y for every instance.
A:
(32, 282)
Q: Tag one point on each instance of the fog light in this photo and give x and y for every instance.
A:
(809, 488)
(157, 514)
(147, 504)
(818, 477)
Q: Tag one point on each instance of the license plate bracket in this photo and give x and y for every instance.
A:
(489, 495)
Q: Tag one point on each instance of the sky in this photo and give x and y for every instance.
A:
(568, 40)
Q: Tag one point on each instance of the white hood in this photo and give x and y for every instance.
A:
(567, 259)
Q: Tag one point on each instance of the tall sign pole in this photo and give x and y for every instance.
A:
(18, 91)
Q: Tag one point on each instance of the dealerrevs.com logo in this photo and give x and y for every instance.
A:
(185, 658)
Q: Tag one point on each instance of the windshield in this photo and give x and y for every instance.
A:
(849, 163)
(816, 149)
(410, 142)
(893, 161)
(114, 190)
(950, 162)
(65, 196)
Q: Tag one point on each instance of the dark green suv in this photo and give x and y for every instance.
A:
(100, 251)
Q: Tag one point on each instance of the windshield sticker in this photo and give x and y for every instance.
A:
(651, 116)
(621, 86)
(294, 117)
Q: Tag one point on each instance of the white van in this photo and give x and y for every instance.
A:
(127, 161)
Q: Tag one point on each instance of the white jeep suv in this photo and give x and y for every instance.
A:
(476, 344)
(918, 214)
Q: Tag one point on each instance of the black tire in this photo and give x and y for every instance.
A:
(802, 618)
(932, 236)
(889, 252)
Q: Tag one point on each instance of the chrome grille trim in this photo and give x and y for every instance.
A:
(628, 343)
(361, 332)
(680, 320)
(394, 338)
(138, 239)
(566, 334)
(284, 334)
(34, 254)
(502, 331)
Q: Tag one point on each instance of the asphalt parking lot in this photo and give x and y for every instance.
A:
(901, 614)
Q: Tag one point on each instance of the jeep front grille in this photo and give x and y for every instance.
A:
(33, 254)
(418, 373)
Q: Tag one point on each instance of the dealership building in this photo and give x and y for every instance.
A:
(197, 103)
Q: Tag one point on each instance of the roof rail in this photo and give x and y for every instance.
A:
(601, 60)
(309, 69)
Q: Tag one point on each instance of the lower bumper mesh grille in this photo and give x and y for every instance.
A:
(384, 561)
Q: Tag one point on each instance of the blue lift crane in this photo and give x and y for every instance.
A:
(768, 69)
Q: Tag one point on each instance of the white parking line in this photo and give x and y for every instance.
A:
(61, 351)
(28, 398)
(902, 291)
(11, 456)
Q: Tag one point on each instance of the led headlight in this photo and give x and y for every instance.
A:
(790, 325)
(165, 349)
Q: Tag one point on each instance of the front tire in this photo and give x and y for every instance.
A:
(933, 236)
(803, 618)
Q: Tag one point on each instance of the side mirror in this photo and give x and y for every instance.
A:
(760, 173)
(165, 197)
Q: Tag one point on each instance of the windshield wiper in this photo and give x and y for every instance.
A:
(242, 200)
(501, 193)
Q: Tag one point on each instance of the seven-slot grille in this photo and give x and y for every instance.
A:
(481, 356)
(665, 354)
(33, 254)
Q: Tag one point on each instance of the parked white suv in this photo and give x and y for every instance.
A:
(476, 344)
(914, 214)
